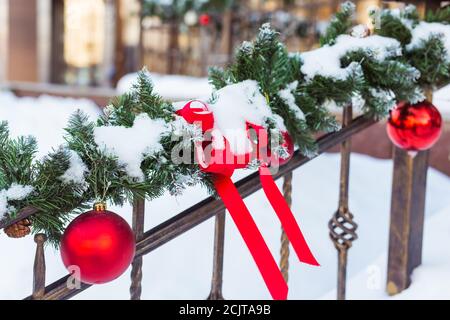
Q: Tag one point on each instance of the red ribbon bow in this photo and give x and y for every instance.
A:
(222, 163)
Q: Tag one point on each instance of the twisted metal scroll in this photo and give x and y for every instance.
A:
(342, 227)
(284, 250)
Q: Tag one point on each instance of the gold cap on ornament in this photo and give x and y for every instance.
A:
(99, 206)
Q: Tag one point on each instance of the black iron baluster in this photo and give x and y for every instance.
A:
(39, 267)
(217, 275)
(138, 229)
(284, 250)
(342, 227)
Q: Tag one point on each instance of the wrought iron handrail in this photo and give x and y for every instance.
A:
(205, 209)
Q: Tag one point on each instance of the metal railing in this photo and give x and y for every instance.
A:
(405, 229)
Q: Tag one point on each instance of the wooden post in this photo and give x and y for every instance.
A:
(119, 56)
(407, 217)
(39, 267)
(227, 35)
(173, 53)
(22, 41)
(138, 229)
(432, 4)
(58, 65)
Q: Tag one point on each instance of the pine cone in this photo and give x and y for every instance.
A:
(19, 229)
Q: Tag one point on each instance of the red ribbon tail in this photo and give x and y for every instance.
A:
(252, 237)
(286, 217)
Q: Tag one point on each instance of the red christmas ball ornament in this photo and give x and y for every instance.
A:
(414, 127)
(196, 111)
(288, 145)
(100, 243)
(204, 19)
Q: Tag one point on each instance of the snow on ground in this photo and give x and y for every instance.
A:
(441, 99)
(182, 268)
(43, 117)
(171, 87)
(429, 281)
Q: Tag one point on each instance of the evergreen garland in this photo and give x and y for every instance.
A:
(368, 81)
(378, 83)
(267, 61)
(340, 24)
(429, 57)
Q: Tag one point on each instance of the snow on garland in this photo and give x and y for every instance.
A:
(234, 106)
(76, 171)
(288, 98)
(14, 192)
(326, 61)
(132, 145)
(424, 31)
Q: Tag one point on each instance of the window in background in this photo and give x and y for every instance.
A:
(84, 39)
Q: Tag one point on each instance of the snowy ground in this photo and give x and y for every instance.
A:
(182, 268)
(171, 87)
(43, 117)
(441, 100)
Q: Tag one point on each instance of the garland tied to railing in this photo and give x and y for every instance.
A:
(128, 151)
(216, 163)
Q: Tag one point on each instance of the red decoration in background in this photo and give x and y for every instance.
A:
(414, 127)
(100, 243)
(204, 19)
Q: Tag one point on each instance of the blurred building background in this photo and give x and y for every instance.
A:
(96, 42)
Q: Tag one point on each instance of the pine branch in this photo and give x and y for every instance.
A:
(267, 61)
(441, 15)
(393, 27)
(340, 24)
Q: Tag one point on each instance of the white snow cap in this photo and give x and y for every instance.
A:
(289, 99)
(424, 30)
(359, 31)
(14, 192)
(348, 6)
(76, 171)
(326, 61)
(132, 145)
(237, 104)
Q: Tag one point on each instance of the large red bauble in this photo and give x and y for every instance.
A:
(100, 243)
(414, 127)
